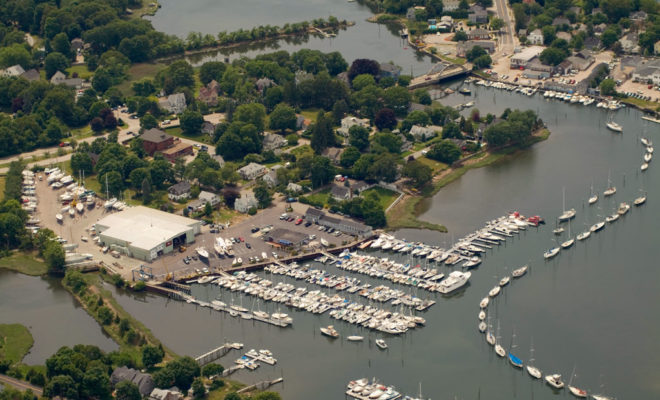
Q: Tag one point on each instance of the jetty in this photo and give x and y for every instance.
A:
(441, 71)
(263, 385)
(217, 353)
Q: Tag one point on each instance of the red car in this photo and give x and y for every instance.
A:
(299, 221)
(241, 239)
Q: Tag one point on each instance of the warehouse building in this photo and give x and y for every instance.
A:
(145, 233)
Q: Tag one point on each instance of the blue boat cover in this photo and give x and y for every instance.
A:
(515, 360)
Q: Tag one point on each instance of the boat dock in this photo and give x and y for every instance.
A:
(442, 70)
(217, 353)
(263, 385)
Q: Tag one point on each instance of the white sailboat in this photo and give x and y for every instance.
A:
(610, 189)
(202, 252)
(570, 241)
(551, 253)
(640, 200)
(593, 198)
(531, 369)
(515, 361)
(577, 392)
(499, 350)
(611, 125)
(566, 214)
(517, 273)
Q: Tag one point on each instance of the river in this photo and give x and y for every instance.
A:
(52, 315)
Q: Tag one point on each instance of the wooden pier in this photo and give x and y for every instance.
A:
(214, 354)
(263, 385)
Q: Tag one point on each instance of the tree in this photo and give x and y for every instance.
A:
(389, 141)
(253, 113)
(552, 56)
(482, 62)
(127, 390)
(148, 121)
(61, 44)
(451, 130)
(496, 24)
(349, 157)
(55, 62)
(475, 52)
(322, 134)
(210, 370)
(63, 386)
(283, 117)
(397, 98)
(96, 124)
(322, 171)
(363, 66)
(144, 88)
(460, 36)
(385, 119)
(115, 182)
(267, 396)
(54, 257)
(420, 173)
(609, 37)
(81, 162)
(358, 136)
(102, 80)
(607, 87)
(179, 372)
(199, 391)
(96, 383)
(262, 195)
(211, 70)
(191, 122)
(446, 151)
(363, 80)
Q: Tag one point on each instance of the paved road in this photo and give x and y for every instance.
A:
(21, 385)
(507, 40)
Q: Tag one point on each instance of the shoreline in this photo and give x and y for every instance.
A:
(405, 215)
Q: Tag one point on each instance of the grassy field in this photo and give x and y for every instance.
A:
(436, 166)
(310, 113)
(2, 186)
(178, 132)
(647, 105)
(320, 197)
(81, 70)
(138, 72)
(15, 342)
(24, 263)
(385, 196)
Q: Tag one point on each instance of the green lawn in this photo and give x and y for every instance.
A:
(178, 132)
(23, 263)
(310, 113)
(436, 166)
(15, 342)
(2, 186)
(81, 70)
(302, 149)
(385, 196)
(320, 197)
(138, 72)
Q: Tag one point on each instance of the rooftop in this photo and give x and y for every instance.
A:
(155, 135)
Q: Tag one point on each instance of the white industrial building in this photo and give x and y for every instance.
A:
(145, 233)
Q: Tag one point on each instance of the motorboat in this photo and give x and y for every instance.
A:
(472, 263)
(482, 327)
(597, 226)
(494, 291)
(613, 126)
(330, 332)
(580, 393)
(551, 253)
(505, 281)
(464, 90)
(499, 350)
(108, 204)
(202, 252)
(517, 273)
(555, 381)
(623, 208)
(381, 344)
(59, 218)
(644, 167)
(219, 246)
(640, 200)
(648, 157)
(355, 338)
(583, 235)
(484, 303)
(611, 218)
(454, 281)
(515, 361)
(482, 315)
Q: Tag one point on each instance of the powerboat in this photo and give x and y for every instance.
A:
(611, 218)
(517, 273)
(640, 200)
(202, 252)
(555, 381)
(583, 235)
(472, 263)
(597, 226)
(330, 332)
(455, 280)
(623, 208)
(355, 338)
(108, 204)
(613, 126)
(551, 253)
(381, 344)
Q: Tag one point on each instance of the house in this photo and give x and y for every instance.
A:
(411, 13)
(60, 79)
(333, 153)
(165, 394)
(649, 72)
(263, 84)
(478, 15)
(179, 191)
(273, 141)
(155, 140)
(360, 186)
(208, 128)
(564, 67)
(13, 71)
(143, 381)
(535, 64)
(219, 159)
(656, 47)
(340, 192)
(520, 60)
(422, 133)
(446, 23)
(209, 95)
(581, 60)
(464, 47)
(245, 202)
(592, 43)
(348, 122)
(522, 32)
(179, 149)
(630, 43)
(600, 28)
(560, 21)
(535, 37)
(478, 34)
(389, 70)
(294, 188)
(174, 103)
(450, 5)
(302, 123)
(31, 75)
(638, 16)
(271, 176)
(343, 77)
(77, 44)
(252, 171)
(564, 35)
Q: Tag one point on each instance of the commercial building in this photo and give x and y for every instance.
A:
(521, 59)
(462, 48)
(286, 237)
(145, 233)
(341, 224)
(155, 140)
(179, 149)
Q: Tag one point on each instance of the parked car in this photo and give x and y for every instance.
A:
(248, 245)
(255, 229)
(299, 221)
(307, 224)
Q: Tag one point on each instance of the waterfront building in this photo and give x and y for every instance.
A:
(145, 233)
(521, 59)
(464, 47)
(143, 381)
(649, 72)
(287, 238)
(341, 224)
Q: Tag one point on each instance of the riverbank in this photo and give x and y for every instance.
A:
(24, 263)
(15, 342)
(405, 214)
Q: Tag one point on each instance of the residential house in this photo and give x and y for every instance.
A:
(208, 128)
(592, 43)
(649, 72)
(154, 140)
(179, 191)
(60, 79)
(340, 192)
(450, 5)
(333, 153)
(422, 133)
(343, 77)
(389, 70)
(630, 43)
(13, 71)
(478, 15)
(31, 75)
(464, 47)
(165, 394)
(521, 59)
(478, 34)
(209, 94)
(446, 23)
(263, 84)
(252, 171)
(564, 35)
(143, 381)
(348, 122)
(638, 16)
(535, 37)
(271, 176)
(294, 188)
(360, 186)
(245, 202)
(273, 141)
(600, 28)
(411, 13)
(522, 32)
(561, 21)
(204, 197)
(302, 123)
(174, 103)
(77, 45)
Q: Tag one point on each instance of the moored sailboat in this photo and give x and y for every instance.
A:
(531, 369)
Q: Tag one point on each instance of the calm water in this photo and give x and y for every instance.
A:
(595, 307)
(53, 316)
(363, 40)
